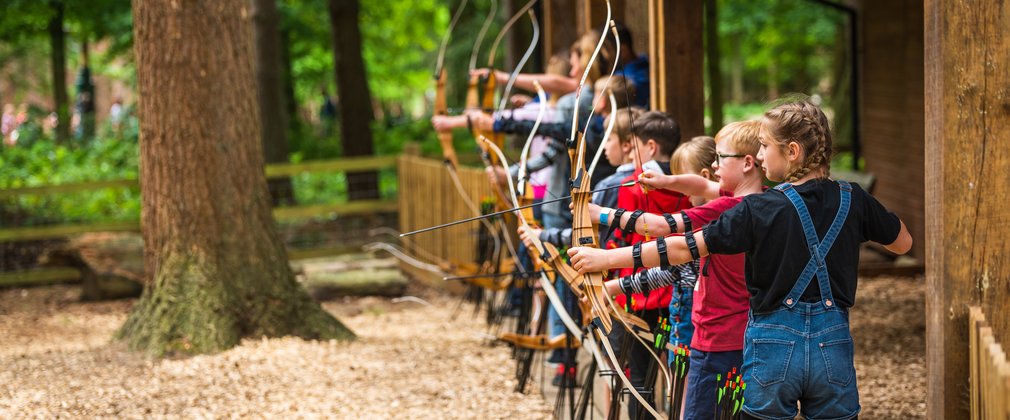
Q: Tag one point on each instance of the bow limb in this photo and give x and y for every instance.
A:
(480, 35)
(526, 56)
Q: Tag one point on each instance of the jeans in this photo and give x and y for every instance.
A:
(681, 328)
(801, 354)
(699, 403)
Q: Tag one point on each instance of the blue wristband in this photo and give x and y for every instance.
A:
(604, 215)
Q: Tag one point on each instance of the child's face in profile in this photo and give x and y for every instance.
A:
(614, 151)
(773, 162)
(729, 166)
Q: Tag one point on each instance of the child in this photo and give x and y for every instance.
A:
(802, 246)
(719, 312)
(656, 136)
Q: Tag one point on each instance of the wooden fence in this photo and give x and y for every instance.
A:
(57, 274)
(989, 371)
(428, 197)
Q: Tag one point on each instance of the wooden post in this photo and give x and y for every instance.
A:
(967, 53)
(676, 57)
(559, 30)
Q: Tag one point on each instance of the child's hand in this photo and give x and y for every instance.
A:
(527, 234)
(496, 174)
(519, 100)
(588, 260)
(653, 180)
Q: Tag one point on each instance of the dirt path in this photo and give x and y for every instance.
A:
(411, 361)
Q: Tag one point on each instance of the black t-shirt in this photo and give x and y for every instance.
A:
(767, 228)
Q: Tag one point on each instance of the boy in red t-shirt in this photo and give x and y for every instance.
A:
(721, 298)
(657, 135)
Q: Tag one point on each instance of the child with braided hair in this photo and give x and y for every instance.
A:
(801, 242)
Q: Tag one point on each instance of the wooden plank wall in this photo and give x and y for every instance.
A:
(676, 57)
(892, 109)
(967, 103)
(990, 371)
(428, 198)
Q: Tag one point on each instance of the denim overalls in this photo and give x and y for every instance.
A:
(803, 351)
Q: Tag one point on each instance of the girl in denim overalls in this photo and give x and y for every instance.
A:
(802, 245)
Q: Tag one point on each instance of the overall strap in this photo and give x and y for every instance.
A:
(816, 266)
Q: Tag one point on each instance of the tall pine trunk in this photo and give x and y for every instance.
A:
(270, 79)
(216, 268)
(712, 59)
(58, 58)
(355, 99)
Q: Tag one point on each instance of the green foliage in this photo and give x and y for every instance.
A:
(42, 162)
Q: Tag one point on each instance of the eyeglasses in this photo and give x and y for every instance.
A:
(720, 157)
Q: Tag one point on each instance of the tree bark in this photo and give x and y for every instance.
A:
(713, 61)
(736, 72)
(270, 78)
(355, 100)
(215, 268)
(58, 56)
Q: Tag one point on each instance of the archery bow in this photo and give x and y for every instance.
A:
(583, 233)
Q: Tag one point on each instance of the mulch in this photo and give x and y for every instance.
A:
(411, 360)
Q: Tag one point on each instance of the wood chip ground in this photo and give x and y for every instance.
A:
(411, 361)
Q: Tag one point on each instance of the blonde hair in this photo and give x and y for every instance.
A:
(804, 123)
(558, 64)
(742, 136)
(584, 47)
(694, 156)
(625, 119)
(622, 88)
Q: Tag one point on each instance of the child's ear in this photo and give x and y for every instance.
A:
(794, 151)
(705, 173)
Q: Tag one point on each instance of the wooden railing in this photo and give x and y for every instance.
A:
(989, 371)
(272, 171)
(428, 197)
(60, 274)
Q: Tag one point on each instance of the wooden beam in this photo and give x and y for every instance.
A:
(560, 30)
(967, 53)
(676, 58)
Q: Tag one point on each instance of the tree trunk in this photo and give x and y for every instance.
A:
(58, 56)
(215, 268)
(736, 72)
(355, 100)
(712, 59)
(270, 78)
(290, 102)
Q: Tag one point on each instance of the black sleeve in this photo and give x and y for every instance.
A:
(558, 131)
(731, 233)
(879, 225)
(557, 236)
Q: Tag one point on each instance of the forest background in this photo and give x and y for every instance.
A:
(81, 127)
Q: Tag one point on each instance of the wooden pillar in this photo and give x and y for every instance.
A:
(560, 28)
(967, 54)
(593, 12)
(676, 58)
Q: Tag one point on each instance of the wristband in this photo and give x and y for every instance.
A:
(605, 215)
(636, 254)
(664, 261)
(617, 221)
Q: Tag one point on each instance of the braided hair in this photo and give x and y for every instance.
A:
(804, 123)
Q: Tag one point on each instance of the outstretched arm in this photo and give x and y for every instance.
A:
(688, 184)
(552, 83)
(658, 226)
(592, 260)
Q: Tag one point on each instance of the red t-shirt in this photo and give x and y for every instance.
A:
(657, 202)
(721, 299)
